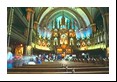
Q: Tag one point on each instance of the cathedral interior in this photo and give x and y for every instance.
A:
(65, 40)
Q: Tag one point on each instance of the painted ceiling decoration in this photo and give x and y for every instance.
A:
(85, 12)
(80, 18)
(47, 14)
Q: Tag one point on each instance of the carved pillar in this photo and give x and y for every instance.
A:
(30, 19)
(9, 26)
(35, 25)
(93, 27)
(106, 28)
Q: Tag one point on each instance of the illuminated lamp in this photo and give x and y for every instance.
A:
(21, 45)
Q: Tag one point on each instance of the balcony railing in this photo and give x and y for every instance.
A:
(21, 16)
(17, 34)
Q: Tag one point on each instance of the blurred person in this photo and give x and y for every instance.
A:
(9, 58)
(17, 59)
(31, 62)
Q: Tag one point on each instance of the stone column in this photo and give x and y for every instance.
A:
(106, 28)
(9, 26)
(31, 28)
(93, 25)
(35, 25)
(30, 19)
